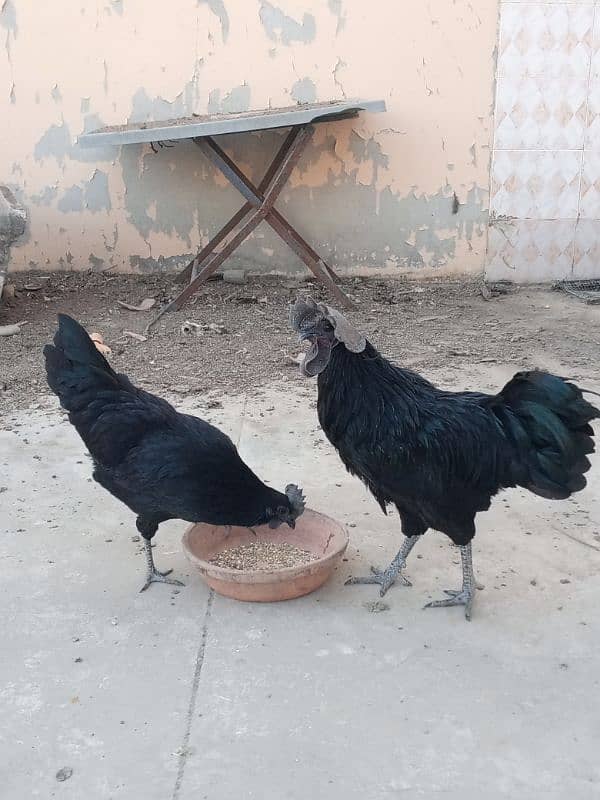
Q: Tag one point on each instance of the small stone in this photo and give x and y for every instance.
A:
(236, 276)
(64, 774)
(114, 621)
(135, 538)
(565, 580)
(533, 582)
(78, 660)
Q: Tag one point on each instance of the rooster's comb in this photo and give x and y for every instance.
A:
(305, 313)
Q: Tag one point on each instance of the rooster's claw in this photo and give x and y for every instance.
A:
(456, 597)
(384, 578)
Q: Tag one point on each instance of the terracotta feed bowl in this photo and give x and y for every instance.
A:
(320, 535)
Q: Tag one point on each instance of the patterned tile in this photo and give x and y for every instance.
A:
(536, 184)
(592, 139)
(554, 40)
(589, 204)
(530, 251)
(540, 112)
(592, 135)
(595, 72)
(586, 263)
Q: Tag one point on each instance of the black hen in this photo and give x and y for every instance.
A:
(162, 464)
(439, 456)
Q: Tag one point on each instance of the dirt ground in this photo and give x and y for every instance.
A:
(439, 328)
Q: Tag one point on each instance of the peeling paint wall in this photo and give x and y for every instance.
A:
(377, 191)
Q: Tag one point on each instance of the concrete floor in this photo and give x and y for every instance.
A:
(167, 696)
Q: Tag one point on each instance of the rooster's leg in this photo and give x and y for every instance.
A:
(461, 597)
(153, 575)
(385, 578)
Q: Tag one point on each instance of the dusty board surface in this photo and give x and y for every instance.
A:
(215, 124)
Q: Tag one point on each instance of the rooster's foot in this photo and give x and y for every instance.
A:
(456, 597)
(154, 576)
(384, 578)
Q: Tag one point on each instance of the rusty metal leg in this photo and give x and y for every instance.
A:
(199, 260)
(231, 243)
(316, 265)
(301, 242)
(258, 206)
(254, 197)
(259, 209)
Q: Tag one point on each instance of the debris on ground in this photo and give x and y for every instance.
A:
(64, 774)
(376, 606)
(236, 276)
(11, 330)
(497, 288)
(191, 327)
(98, 340)
(145, 305)
(199, 328)
(137, 336)
(586, 290)
(8, 291)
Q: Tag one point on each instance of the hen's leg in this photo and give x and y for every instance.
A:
(385, 578)
(461, 597)
(148, 529)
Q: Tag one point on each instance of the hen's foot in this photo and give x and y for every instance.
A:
(384, 578)
(154, 576)
(456, 597)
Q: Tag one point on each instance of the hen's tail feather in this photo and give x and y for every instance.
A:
(75, 369)
(548, 421)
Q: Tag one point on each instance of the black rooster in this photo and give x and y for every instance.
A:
(162, 464)
(440, 456)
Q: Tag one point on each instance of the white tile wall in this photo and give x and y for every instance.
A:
(550, 39)
(545, 181)
(535, 113)
(586, 260)
(536, 184)
(589, 207)
(530, 250)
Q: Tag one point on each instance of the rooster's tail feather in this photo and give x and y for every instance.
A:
(549, 420)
